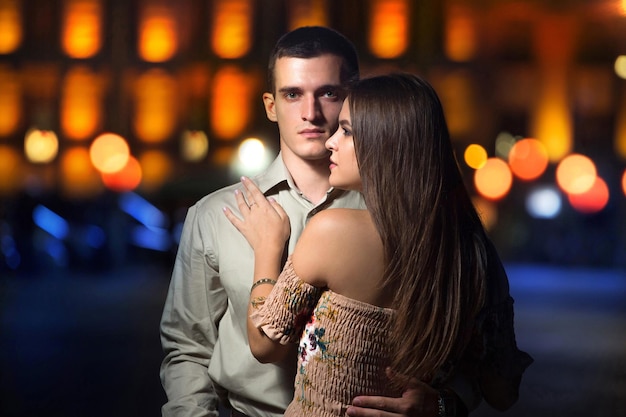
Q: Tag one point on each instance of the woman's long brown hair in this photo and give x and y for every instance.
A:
(433, 238)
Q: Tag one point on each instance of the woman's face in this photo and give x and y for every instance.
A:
(344, 170)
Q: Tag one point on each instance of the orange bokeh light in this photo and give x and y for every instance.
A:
(231, 30)
(109, 153)
(624, 182)
(126, 179)
(11, 24)
(460, 33)
(156, 106)
(10, 170)
(388, 33)
(10, 100)
(81, 103)
(156, 168)
(528, 159)
(593, 200)
(230, 102)
(575, 174)
(78, 177)
(493, 181)
(307, 13)
(82, 21)
(158, 39)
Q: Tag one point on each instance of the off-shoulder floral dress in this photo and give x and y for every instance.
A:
(343, 349)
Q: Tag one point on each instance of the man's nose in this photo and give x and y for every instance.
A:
(310, 109)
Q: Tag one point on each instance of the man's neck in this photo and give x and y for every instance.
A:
(311, 177)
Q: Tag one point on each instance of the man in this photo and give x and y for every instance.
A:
(203, 328)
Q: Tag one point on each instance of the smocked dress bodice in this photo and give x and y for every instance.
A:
(343, 344)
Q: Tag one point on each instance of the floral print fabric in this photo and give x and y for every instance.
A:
(342, 348)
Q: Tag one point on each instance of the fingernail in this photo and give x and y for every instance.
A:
(236, 192)
(271, 199)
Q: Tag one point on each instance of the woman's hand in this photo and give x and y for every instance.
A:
(265, 225)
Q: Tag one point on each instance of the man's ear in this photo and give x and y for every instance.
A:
(270, 106)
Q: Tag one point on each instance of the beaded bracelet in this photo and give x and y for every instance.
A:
(263, 281)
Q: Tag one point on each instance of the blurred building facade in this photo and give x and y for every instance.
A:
(115, 115)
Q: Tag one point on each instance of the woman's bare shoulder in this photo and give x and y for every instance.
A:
(331, 241)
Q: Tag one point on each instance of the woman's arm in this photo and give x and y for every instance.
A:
(265, 225)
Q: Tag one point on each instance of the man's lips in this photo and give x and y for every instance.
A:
(312, 133)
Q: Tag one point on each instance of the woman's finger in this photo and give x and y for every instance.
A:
(233, 219)
(241, 203)
(279, 209)
(253, 192)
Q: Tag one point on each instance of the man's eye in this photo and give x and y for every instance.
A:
(330, 94)
(291, 95)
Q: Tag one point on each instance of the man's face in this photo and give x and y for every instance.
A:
(306, 104)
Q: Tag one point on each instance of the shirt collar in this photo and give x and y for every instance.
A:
(277, 174)
(274, 175)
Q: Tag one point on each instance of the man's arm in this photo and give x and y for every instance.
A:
(195, 303)
(421, 400)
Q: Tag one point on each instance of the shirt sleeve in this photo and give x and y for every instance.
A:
(288, 307)
(195, 302)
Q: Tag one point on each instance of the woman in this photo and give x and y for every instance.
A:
(398, 285)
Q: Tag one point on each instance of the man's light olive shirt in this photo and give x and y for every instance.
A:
(203, 327)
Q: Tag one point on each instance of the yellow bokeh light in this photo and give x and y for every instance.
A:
(593, 200)
(11, 24)
(156, 168)
(40, 146)
(475, 156)
(232, 28)
(620, 66)
(528, 159)
(78, 177)
(109, 153)
(552, 122)
(10, 170)
(388, 32)
(81, 103)
(10, 101)
(493, 181)
(156, 106)
(194, 145)
(576, 174)
(81, 28)
(158, 33)
(230, 102)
